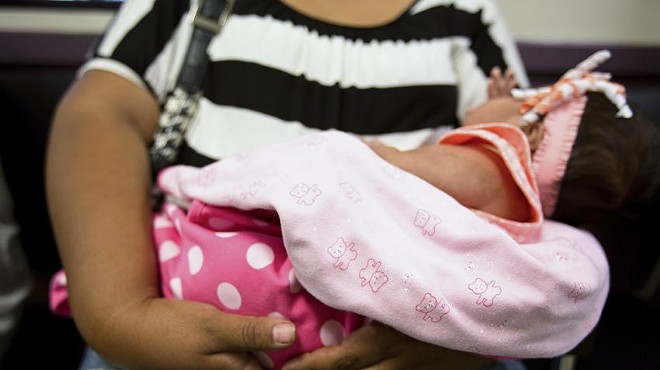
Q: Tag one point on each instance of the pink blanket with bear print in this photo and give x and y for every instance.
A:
(326, 233)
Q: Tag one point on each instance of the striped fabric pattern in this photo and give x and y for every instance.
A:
(275, 73)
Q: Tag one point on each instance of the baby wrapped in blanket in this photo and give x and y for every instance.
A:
(323, 231)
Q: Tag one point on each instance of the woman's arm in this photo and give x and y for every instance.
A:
(98, 181)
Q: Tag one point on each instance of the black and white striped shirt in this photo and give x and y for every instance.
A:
(275, 73)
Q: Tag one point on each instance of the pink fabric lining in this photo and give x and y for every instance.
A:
(551, 157)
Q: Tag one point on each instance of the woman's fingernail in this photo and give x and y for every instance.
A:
(284, 333)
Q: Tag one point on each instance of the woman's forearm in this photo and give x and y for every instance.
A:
(97, 180)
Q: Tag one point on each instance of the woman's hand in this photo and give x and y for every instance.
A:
(379, 347)
(162, 333)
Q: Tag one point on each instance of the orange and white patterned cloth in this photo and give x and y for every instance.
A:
(574, 83)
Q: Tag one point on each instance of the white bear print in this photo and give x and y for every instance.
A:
(372, 275)
(343, 253)
(486, 291)
(251, 190)
(351, 192)
(306, 194)
(432, 308)
(426, 221)
(206, 177)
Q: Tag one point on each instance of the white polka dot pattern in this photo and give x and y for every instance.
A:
(332, 333)
(177, 289)
(260, 255)
(168, 250)
(162, 223)
(225, 234)
(195, 260)
(229, 296)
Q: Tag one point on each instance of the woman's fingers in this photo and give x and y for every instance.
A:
(366, 348)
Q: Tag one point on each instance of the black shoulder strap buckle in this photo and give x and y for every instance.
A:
(198, 19)
(207, 17)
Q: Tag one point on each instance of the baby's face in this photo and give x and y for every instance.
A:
(497, 110)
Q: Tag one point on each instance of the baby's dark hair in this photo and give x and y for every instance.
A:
(614, 167)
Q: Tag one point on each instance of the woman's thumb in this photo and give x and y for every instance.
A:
(245, 333)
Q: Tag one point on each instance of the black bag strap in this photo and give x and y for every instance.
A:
(207, 18)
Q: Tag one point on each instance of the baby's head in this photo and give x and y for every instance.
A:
(604, 175)
(589, 160)
(613, 168)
